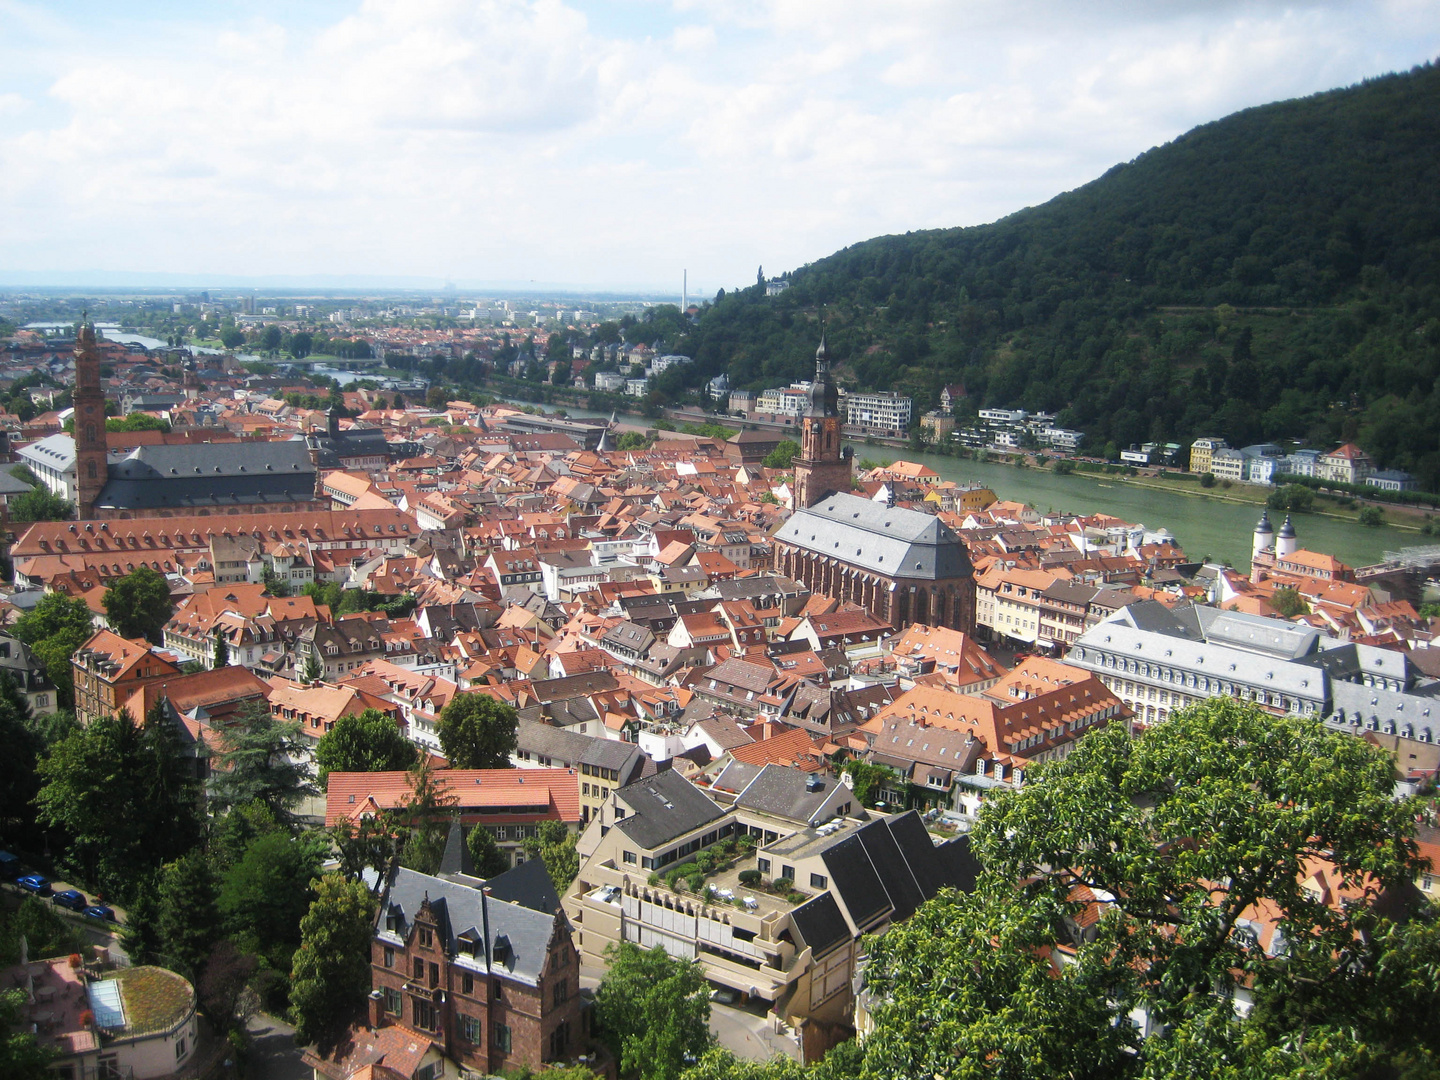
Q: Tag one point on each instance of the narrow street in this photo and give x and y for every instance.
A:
(273, 1053)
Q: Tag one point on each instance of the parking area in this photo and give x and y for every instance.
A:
(71, 900)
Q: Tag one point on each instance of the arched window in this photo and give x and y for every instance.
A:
(90, 469)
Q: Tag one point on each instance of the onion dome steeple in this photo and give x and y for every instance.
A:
(824, 398)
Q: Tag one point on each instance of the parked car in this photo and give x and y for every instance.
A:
(36, 883)
(9, 866)
(724, 996)
(100, 911)
(70, 898)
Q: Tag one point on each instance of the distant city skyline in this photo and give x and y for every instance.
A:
(590, 146)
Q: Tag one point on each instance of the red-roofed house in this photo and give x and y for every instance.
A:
(511, 803)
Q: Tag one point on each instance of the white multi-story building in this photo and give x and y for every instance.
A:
(784, 400)
(1228, 464)
(611, 381)
(1003, 417)
(1062, 438)
(883, 410)
(52, 460)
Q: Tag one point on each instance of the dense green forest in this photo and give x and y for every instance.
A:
(1272, 275)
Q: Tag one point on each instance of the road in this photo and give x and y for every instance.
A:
(273, 1053)
(748, 1034)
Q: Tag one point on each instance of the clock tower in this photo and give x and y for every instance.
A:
(821, 467)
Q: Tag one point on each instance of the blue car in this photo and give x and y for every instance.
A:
(36, 883)
(100, 911)
(70, 898)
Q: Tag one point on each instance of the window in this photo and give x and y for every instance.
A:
(502, 1038)
(392, 1001)
(434, 974)
(817, 881)
(471, 1030)
(560, 1040)
(389, 958)
(180, 1048)
(467, 985)
(763, 865)
(561, 993)
(423, 1014)
(628, 858)
(418, 969)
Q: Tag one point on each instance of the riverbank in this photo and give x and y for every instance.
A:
(1401, 516)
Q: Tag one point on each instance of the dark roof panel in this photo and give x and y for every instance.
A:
(820, 924)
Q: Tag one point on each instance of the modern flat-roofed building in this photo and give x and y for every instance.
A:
(794, 947)
(882, 411)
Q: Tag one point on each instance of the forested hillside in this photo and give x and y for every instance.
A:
(1275, 274)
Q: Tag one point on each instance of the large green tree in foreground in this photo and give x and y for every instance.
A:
(1191, 828)
(653, 1011)
(331, 973)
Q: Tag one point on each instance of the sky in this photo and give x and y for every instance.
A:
(603, 145)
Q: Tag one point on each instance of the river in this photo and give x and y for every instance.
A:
(1204, 526)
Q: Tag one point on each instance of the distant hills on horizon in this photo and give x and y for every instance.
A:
(80, 281)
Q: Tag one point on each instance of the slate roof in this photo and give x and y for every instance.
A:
(57, 451)
(891, 541)
(459, 908)
(895, 872)
(528, 884)
(820, 924)
(571, 746)
(781, 792)
(855, 878)
(950, 865)
(209, 474)
(663, 807)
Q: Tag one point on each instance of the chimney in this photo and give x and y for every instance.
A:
(375, 1007)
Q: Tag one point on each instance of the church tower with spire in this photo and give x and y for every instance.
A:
(90, 442)
(822, 466)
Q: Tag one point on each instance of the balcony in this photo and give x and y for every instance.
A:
(424, 991)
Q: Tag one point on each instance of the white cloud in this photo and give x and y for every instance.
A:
(506, 139)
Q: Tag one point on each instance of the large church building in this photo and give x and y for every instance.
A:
(903, 566)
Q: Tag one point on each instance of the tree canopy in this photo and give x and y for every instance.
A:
(653, 1011)
(1193, 840)
(783, 455)
(264, 760)
(40, 504)
(55, 629)
(122, 800)
(368, 741)
(485, 852)
(477, 732)
(138, 605)
(555, 845)
(330, 976)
